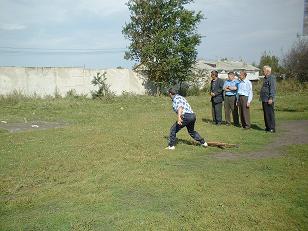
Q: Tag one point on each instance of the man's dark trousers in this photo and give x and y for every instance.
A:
(269, 115)
(189, 120)
(230, 106)
(217, 112)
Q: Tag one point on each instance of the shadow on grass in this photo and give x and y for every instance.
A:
(253, 126)
(205, 120)
(256, 127)
(211, 144)
(290, 109)
(188, 142)
(181, 141)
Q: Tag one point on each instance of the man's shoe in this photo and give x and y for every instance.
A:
(170, 148)
(205, 144)
(272, 131)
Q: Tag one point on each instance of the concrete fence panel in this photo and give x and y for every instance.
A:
(45, 81)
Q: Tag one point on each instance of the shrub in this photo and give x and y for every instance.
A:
(103, 88)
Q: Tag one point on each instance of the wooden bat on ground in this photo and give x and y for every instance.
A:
(222, 145)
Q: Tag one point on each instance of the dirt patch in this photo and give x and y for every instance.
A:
(290, 132)
(30, 126)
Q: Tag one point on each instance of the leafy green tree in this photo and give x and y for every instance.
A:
(164, 37)
(272, 61)
(295, 61)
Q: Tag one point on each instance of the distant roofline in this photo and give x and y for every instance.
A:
(216, 66)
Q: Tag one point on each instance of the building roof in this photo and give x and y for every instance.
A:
(226, 65)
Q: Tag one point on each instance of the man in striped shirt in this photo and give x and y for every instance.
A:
(185, 118)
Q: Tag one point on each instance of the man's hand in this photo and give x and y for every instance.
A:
(270, 101)
(180, 120)
(212, 94)
(248, 105)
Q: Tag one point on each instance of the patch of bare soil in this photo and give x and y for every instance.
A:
(288, 133)
(30, 126)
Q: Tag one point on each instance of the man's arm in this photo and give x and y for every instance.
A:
(220, 86)
(272, 92)
(226, 87)
(237, 95)
(180, 120)
(250, 96)
(234, 88)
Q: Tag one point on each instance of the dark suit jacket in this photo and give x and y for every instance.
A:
(217, 89)
(268, 90)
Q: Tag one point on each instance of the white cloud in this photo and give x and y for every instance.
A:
(31, 13)
(99, 7)
(11, 27)
(57, 11)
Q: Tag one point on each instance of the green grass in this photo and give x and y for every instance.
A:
(108, 169)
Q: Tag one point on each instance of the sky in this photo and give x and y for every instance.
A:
(88, 33)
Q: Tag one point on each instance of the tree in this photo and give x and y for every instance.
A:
(272, 61)
(163, 39)
(296, 60)
(103, 88)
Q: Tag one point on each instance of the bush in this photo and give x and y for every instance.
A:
(283, 86)
(16, 97)
(73, 94)
(289, 85)
(103, 88)
(295, 61)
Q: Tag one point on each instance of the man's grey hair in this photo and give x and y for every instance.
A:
(267, 68)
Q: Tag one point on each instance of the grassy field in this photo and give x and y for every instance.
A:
(108, 170)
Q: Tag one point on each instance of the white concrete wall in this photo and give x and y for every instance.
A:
(253, 75)
(45, 81)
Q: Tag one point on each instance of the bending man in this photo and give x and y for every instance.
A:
(185, 118)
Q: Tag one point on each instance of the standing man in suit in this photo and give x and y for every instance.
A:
(267, 96)
(216, 93)
(244, 98)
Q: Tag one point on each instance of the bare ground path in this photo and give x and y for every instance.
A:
(289, 132)
(30, 126)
